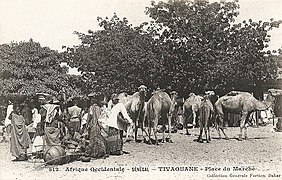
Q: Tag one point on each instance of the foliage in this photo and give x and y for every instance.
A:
(117, 58)
(188, 47)
(27, 68)
(207, 50)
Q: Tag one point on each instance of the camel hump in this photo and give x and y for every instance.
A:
(236, 93)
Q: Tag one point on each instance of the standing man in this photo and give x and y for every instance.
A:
(118, 122)
(75, 116)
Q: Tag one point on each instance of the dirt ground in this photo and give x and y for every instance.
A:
(256, 158)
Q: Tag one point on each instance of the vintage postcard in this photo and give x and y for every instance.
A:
(79, 77)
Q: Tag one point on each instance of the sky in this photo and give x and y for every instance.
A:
(52, 22)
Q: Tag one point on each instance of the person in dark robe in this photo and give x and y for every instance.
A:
(27, 114)
(97, 143)
(20, 139)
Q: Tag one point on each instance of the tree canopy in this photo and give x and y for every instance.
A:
(28, 68)
(187, 46)
(118, 58)
(207, 50)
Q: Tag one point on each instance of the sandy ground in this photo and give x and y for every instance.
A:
(256, 158)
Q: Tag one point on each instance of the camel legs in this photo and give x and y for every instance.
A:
(169, 128)
(163, 138)
(220, 126)
(135, 131)
(209, 134)
(143, 130)
(194, 119)
(155, 133)
(185, 123)
(242, 126)
(201, 133)
(129, 133)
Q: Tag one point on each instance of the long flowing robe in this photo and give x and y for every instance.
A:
(20, 140)
(50, 116)
(97, 143)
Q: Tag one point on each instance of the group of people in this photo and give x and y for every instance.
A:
(93, 132)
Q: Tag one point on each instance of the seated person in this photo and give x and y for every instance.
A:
(73, 140)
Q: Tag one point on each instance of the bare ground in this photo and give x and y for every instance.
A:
(260, 155)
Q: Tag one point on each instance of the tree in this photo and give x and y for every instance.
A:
(205, 49)
(117, 58)
(188, 47)
(27, 68)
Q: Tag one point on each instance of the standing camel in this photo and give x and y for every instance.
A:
(190, 108)
(245, 103)
(205, 112)
(135, 106)
(160, 106)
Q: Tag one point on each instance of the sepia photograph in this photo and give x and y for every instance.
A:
(140, 89)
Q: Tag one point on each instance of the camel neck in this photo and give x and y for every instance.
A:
(142, 96)
(173, 99)
(265, 104)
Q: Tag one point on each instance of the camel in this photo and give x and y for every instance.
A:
(160, 106)
(135, 106)
(124, 97)
(245, 103)
(190, 108)
(205, 114)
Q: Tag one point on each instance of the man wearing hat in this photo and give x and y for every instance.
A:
(118, 122)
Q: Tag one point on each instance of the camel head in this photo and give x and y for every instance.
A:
(210, 93)
(142, 88)
(275, 92)
(142, 91)
(173, 94)
(192, 94)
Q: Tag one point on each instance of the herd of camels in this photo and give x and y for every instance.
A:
(161, 107)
